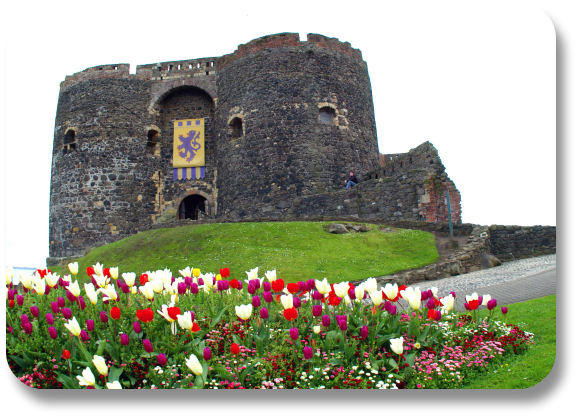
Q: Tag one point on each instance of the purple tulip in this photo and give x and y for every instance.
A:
(504, 310)
(60, 282)
(225, 284)
(67, 313)
(207, 354)
(316, 295)
(90, 325)
(220, 286)
(252, 287)
(268, 297)
(386, 306)
(492, 303)
(480, 300)
(25, 290)
(136, 327)
(71, 298)
(147, 345)
(201, 281)
(325, 321)
(351, 294)
(317, 310)
(84, 336)
(294, 334)
(424, 295)
(364, 332)
(34, 311)
(61, 302)
(466, 306)
(453, 294)
(124, 287)
(181, 288)
(27, 326)
(430, 304)
(310, 285)
(266, 286)
(172, 279)
(438, 315)
(124, 340)
(23, 319)
(54, 307)
(256, 301)
(214, 280)
(161, 359)
(188, 281)
(308, 353)
(240, 286)
(343, 325)
(82, 303)
(47, 290)
(393, 309)
(10, 294)
(194, 288)
(302, 286)
(10, 329)
(20, 300)
(52, 333)
(296, 302)
(103, 317)
(93, 280)
(264, 313)
(49, 319)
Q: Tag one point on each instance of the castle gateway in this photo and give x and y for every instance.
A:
(279, 123)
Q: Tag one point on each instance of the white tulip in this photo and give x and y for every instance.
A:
(51, 279)
(9, 275)
(185, 320)
(87, 378)
(287, 301)
(74, 288)
(101, 280)
(245, 311)
(486, 299)
(73, 267)
(100, 365)
(376, 297)
(391, 291)
(447, 302)
(194, 364)
(40, 287)
(109, 293)
(129, 278)
(98, 269)
(91, 293)
(147, 290)
(114, 272)
(397, 345)
(186, 272)
(114, 385)
(271, 275)
(412, 297)
(341, 289)
(73, 327)
(370, 285)
(359, 292)
(322, 286)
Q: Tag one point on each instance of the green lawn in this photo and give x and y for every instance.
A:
(297, 250)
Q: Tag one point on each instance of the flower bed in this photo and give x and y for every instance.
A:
(219, 332)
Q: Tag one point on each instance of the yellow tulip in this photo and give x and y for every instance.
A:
(100, 365)
(196, 272)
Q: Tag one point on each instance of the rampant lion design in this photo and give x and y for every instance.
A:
(189, 145)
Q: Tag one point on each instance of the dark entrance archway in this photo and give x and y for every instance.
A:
(194, 207)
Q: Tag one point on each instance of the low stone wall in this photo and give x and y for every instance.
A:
(513, 242)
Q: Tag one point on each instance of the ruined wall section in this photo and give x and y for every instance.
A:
(101, 187)
(277, 86)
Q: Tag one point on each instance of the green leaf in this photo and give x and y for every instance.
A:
(222, 371)
(336, 362)
(114, 374)
(392, 363)
(101, 345)
(217, 318)
(198, 383)
(22, 363)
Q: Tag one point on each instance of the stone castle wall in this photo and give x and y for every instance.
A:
(112, 154)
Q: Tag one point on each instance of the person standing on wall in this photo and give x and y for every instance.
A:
(352, 181)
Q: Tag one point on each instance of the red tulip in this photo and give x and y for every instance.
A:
(115, 313)
(234, 283)
(333, 299)
(195, 328)
(11, 304)
(143, 278)
(65, 354)
(145, 315)
(90, 271)
(173, 312)
(431, 314)
(278, 285)
(224, 272)
(235, 349)
(291, 287)
(473, 304)
(290, 314)
(106, 272)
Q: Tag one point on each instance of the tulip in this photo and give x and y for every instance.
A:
(252, 287)
(397, 345)
(307, 353)
(19, 300)
(9, 275)
(266, 286)
(91, 293)
(147, 345)
(145, 315)
(61, 302)
(40, 287)
(74, 289)
(115, 313)
(316, 329)
(124, 339)
(343, 325)
(11, 294)
(71, 298)
(244, 311)
(186, 320)
(73, 267)
(143, 279)
(322, 286)
(136, 327)
(49, 319)
(466, 306)
(376, 297)
(264, 313)
(65, 354)
(235, 349)
(430, 304)
(182, 288)
(504, 310)
(447, 303)
(103, 317)
(220, 286)
(364, 332)
(277, 285)
(87, 378)
(194, 365)
(287, 301)
(51, 280)
(84, 336)
(109, 293)
(268, 297)
(201, 281)
(290, 314)
(123, 287)
(194, 288)
(24, 318)
(492, 303)
(147, 291)
(52, 333)
(81, 303)
(90, 325)
(114, 272)
(317, 295)
(225, 272)
(256, 301)
(293, 288)
(207, 354)
(161, 360)
(27, 327)
(73, 327)
(341, 289)
(486, 299)
(66, 313)
(100, 365)
(358, 293)
(115, 385)
(317, 310)
(294, 334)
(271, 275)
(34, 311)
(296, 302)
(326, 321)
(412, 297)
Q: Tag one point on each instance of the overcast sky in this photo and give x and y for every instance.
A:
(475, 79)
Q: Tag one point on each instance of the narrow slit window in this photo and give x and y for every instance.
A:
(236, 128)
(69, 144)
(153, 142)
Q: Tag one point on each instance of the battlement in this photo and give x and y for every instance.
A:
(115, 71)
(178, 69)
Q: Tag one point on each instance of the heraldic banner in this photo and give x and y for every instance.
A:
(189, 148)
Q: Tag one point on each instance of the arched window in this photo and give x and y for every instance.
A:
(326, 115)
(153, 147)
(194, 207)
(69, 144)
(236, 128)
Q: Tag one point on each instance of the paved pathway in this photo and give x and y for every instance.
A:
(512, 282)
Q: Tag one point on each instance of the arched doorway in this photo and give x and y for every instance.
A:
(194, 207)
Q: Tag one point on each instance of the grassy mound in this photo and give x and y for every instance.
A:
(297, 250)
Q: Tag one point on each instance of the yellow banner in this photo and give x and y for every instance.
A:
(189, 143)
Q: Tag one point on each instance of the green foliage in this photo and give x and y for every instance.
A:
(298, 250)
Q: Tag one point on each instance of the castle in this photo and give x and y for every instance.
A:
(284, 123)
